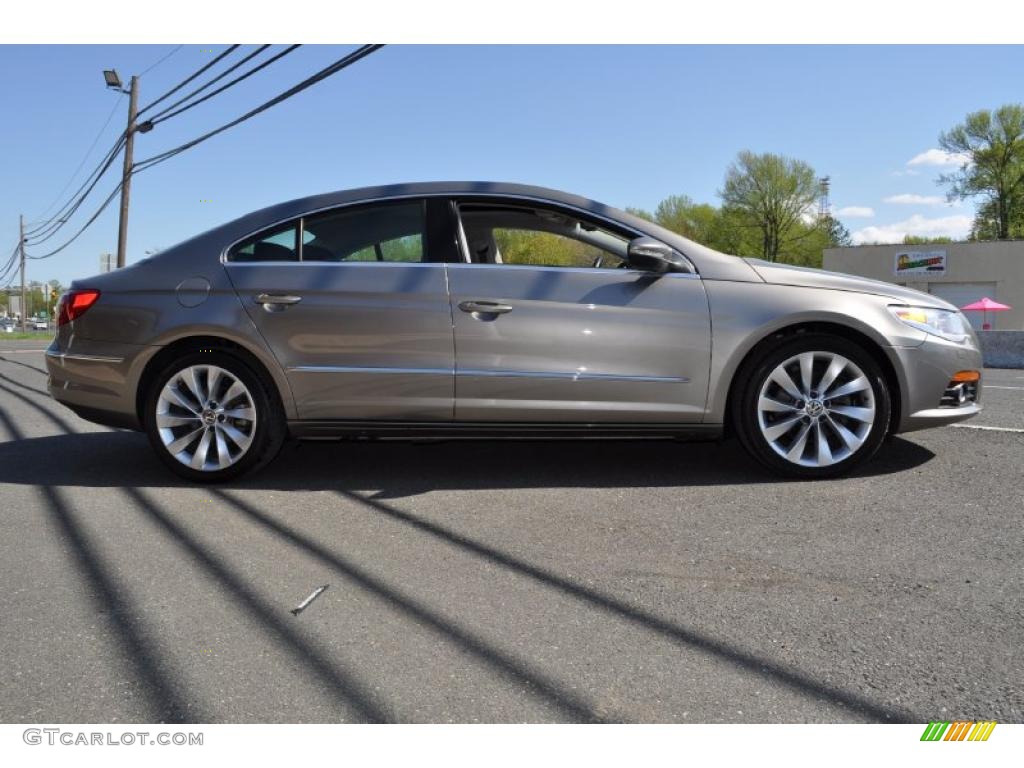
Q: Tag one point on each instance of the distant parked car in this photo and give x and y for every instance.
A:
(498, 310)
(7, 325)
(39, 324)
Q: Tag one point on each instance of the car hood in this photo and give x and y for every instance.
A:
(785, 274)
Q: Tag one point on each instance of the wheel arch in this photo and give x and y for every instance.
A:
(194, 343)
(776, 336)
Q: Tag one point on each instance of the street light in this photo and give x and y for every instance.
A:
(112, 79)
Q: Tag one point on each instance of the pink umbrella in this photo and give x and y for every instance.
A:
(986, 305)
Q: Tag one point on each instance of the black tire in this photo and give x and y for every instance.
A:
(270, 425)
(754, 375)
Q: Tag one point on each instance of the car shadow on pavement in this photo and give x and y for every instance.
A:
(400, 469)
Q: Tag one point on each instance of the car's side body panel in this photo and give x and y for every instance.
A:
(366, 341)
(585, 345)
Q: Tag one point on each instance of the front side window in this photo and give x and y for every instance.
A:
(538, 237)
(390, 232)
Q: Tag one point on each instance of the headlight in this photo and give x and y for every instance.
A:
(939, 322)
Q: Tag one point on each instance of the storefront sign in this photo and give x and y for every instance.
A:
(921, 263)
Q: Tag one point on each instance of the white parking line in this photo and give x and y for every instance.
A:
(990, 429)
(996, 386)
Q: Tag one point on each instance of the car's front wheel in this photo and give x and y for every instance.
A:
(813, 407)
(210, 417)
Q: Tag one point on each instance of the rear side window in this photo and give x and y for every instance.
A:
(390, 232)
(280, 244)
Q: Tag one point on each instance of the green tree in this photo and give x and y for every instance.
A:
(922, 240)
(772, 194)
(992, 145)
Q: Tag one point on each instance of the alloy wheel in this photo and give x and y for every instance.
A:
(816, 409)
(205, 417)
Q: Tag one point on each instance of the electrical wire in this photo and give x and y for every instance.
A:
(230, 49)
(60, 219)
(161, 116)
(160, 61)
(323, 74)
(88, 152)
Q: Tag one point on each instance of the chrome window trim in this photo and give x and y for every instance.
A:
(424, 196)
(584, 270)
(338, 263)
(574, 375)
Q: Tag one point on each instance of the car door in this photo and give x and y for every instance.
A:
(353, 303)
(551, 327)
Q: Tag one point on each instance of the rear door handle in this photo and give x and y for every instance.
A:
(486, 307)
(275, 302)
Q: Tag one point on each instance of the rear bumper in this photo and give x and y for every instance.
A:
(926, 371)
(97, 380)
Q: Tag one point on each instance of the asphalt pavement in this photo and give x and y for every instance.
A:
(507, 582)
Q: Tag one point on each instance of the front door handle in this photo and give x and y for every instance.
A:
(275, 302)
(485, 307)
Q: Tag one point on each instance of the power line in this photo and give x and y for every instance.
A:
(323, 74)
(160, 61)
(60, 219)
(190, 78)
(161, 116)
(84, 227)
(208, 83)
(88, 152)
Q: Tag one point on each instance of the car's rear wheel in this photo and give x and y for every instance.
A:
(211, 418)
(813, 407)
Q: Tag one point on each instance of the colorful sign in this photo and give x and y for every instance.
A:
(921, 263)
(958, 730)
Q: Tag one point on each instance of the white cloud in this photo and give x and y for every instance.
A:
(856, 212)
(908, 172)
(938, 157)
(911, 199)
(956, 227)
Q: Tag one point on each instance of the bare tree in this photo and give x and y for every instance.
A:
(992, 147)
(773, 193)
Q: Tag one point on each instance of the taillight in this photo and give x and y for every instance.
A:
(73, 304)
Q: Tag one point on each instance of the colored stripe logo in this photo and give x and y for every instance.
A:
(958, 730)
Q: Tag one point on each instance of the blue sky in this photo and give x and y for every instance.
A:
(627, 125)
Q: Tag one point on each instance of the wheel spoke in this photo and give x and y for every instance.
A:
(867, 415)
(781, 427)
(239, 438)
(859, 384)
(796, 450)
(223, 455)
(774, 406)
(168, 420)
(807, 370)
(213, 377)
(193, 382)
(241, 413)
(202, 451)
(835, 367)
(177, 446)
(849, 439)
(783, 379)
(824, 451)
(175, 395)
(234, 391)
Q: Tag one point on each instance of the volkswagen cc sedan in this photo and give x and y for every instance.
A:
(492, 310)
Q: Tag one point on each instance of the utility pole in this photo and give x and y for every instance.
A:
(21, 248)
(126, 176)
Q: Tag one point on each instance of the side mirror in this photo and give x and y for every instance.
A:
(654, 256)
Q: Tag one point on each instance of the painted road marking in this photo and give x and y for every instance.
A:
(990, 429)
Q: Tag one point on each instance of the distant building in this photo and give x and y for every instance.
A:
(960, 273)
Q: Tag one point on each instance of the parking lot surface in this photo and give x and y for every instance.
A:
(507, 582)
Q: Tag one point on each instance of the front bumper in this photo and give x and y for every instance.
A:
(925, 372)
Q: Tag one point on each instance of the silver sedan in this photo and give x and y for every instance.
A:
(492, 310)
